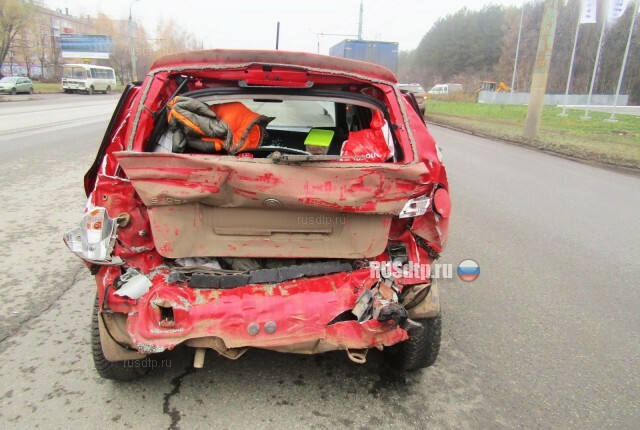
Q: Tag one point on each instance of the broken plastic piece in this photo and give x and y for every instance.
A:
(267, 276)
(415, 207)
(362, 306)
(94, 239)
(135, 285)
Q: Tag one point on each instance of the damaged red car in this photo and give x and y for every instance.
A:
(264, 199)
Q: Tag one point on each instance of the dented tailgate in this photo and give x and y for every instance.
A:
(203, 205)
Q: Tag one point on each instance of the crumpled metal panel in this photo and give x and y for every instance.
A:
(299, 310)
(223, 206)
(223, 181)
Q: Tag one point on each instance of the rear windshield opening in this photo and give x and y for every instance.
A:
(257, 125)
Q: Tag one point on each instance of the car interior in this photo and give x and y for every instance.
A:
(294, 114)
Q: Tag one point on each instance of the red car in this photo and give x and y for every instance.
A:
(264, 199)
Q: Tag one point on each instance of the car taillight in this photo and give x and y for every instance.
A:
(94, 239)
(442, 202)
(415, 207)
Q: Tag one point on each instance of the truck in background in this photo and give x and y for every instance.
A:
(373, 51)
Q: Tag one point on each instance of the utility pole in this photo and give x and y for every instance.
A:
(360, 21)
(278, 36)
(132, 49)
(541, 68)
(515, 62)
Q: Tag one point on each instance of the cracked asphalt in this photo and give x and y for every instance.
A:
(547, 337)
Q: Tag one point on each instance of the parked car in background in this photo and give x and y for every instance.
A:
(445, 89)
(16, 84)
(88, 78)
(419, 93)
(262, 199)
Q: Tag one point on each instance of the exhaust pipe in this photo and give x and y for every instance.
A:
(357, 355)
(198, 360)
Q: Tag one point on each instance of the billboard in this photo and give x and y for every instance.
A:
(85, 46)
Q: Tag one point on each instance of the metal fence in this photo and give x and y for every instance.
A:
(490, 97)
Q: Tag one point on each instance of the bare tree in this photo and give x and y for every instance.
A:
(27, 48)
(41, 36)
(173, 38)
(14, 16)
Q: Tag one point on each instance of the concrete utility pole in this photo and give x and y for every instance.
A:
(132, 49)
(360, 21)
(541, 68)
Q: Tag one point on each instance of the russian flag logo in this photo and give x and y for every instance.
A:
(468, 270)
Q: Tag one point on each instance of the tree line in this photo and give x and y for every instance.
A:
(26, 36)
(468, 47)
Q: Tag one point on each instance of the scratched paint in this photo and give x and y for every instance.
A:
(144, 185)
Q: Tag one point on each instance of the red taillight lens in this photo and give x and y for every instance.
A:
(442, 202)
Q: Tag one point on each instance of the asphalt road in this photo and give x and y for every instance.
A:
(547, 337)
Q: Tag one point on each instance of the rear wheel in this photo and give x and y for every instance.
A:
(420, 350)
(116, 370)
(108, 90)
(30, 90)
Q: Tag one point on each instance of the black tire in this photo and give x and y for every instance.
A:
(13, 91)
(115, 370)
(420, 350)
(108, 90)
(90, 90)
(30, 90)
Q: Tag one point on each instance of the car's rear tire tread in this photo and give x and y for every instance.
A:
(420, 350)
(115, 370)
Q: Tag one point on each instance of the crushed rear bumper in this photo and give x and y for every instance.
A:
(307, 315)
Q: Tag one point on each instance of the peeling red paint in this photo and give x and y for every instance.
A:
(153, 188)
(301, 310)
